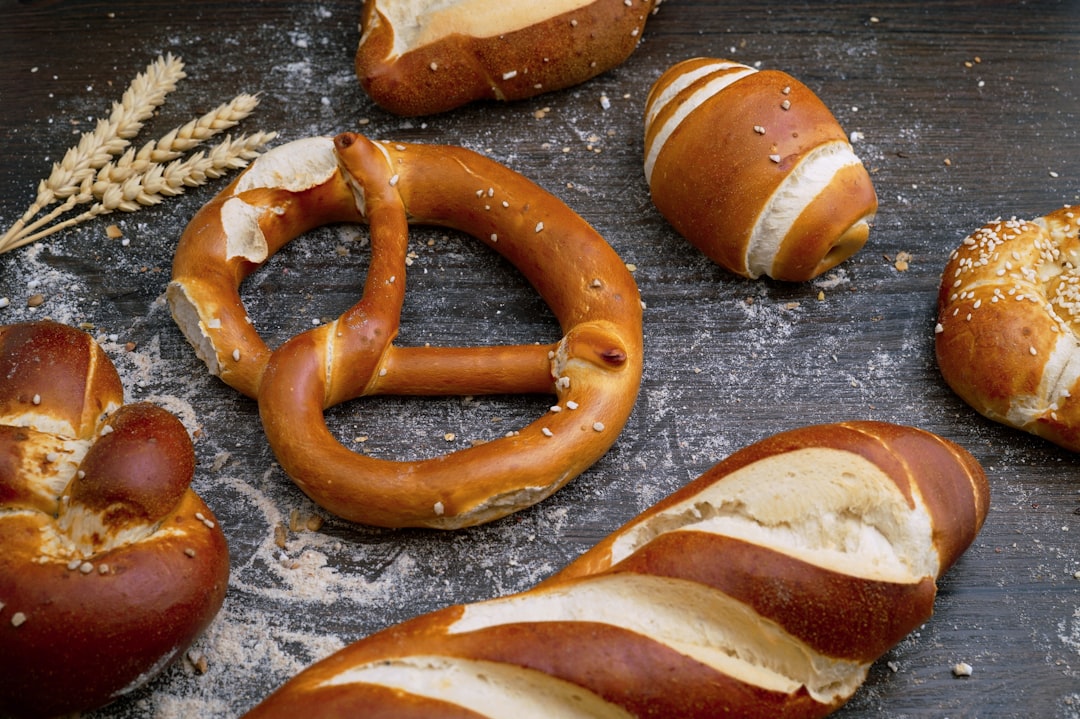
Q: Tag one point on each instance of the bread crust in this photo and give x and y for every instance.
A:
(727, 598)
(753, 169)
(112, 565)
(503, 51)
(1006, 337)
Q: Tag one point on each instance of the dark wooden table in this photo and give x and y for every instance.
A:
(966, 111)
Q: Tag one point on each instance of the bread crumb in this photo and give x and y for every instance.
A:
(961, 669)
(113, 232)
(902, 262)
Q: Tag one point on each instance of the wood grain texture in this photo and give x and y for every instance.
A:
(967, 111)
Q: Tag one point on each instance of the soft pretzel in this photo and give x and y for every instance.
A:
(428, 56)
(111, 566)
(765, 588)
(593, 371)
(1008, 332)
(752, 168)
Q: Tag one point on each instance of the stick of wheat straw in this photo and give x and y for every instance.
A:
(161, 181)
(171, 146)
(109, 138)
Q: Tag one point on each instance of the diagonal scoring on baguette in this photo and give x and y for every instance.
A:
(489, 688)
(807, 180)
(421, 22)
(858, 522)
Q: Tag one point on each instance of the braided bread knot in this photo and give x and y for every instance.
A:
(112, 565)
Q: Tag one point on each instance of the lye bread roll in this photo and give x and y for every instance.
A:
(418, 57)
(752, 168)
(1008, 316)
(110, 564)
(764, 588)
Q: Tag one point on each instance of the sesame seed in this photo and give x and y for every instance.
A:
(509, 75)
(438, 508)
(563, 382)
(73, 564)
(394, 180)
(236, 355)
(759, 129)
(555, 408)
(598, 426)
(382, 371)
(774, 158)
(785, 105)
(1033, 351)
(434, 66)
(86, 567)
(571, 404)
(547, 432)
(107, 429)
(18, 619)
(494, 237)
(539, 226)
(189, 552)
(36, 399)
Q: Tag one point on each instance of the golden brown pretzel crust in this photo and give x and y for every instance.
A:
(111, 565)
(505, 63)
(1008, 315)
(594, 370)
(727, 598)
(752, 168)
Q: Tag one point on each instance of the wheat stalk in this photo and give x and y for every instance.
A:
(137, 178)
(160, 181)
(171, 146)
(145, 94)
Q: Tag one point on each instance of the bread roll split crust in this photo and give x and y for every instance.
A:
(752, 168)
(1007, 339)
(765, 588)
(420, 57)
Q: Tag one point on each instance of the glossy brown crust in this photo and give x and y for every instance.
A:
(723, 162)
(50, 368)
(203, 265)
(594, 371)
(836, 615)
(1004, 305)
(86, 615)
(562, 51)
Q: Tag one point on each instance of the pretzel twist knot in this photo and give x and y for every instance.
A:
(111, 565)
(594, 370)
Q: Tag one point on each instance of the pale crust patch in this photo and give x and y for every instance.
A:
(417, 23)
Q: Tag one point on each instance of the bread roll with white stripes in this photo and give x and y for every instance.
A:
(1008, 316)
(752, 168)
(765, 588)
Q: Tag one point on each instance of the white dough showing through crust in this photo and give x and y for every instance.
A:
(806, 181)
(496, 690)
(417, 23)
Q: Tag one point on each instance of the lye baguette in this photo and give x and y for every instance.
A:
(418, 57)
(765, 588)
(752, 168)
